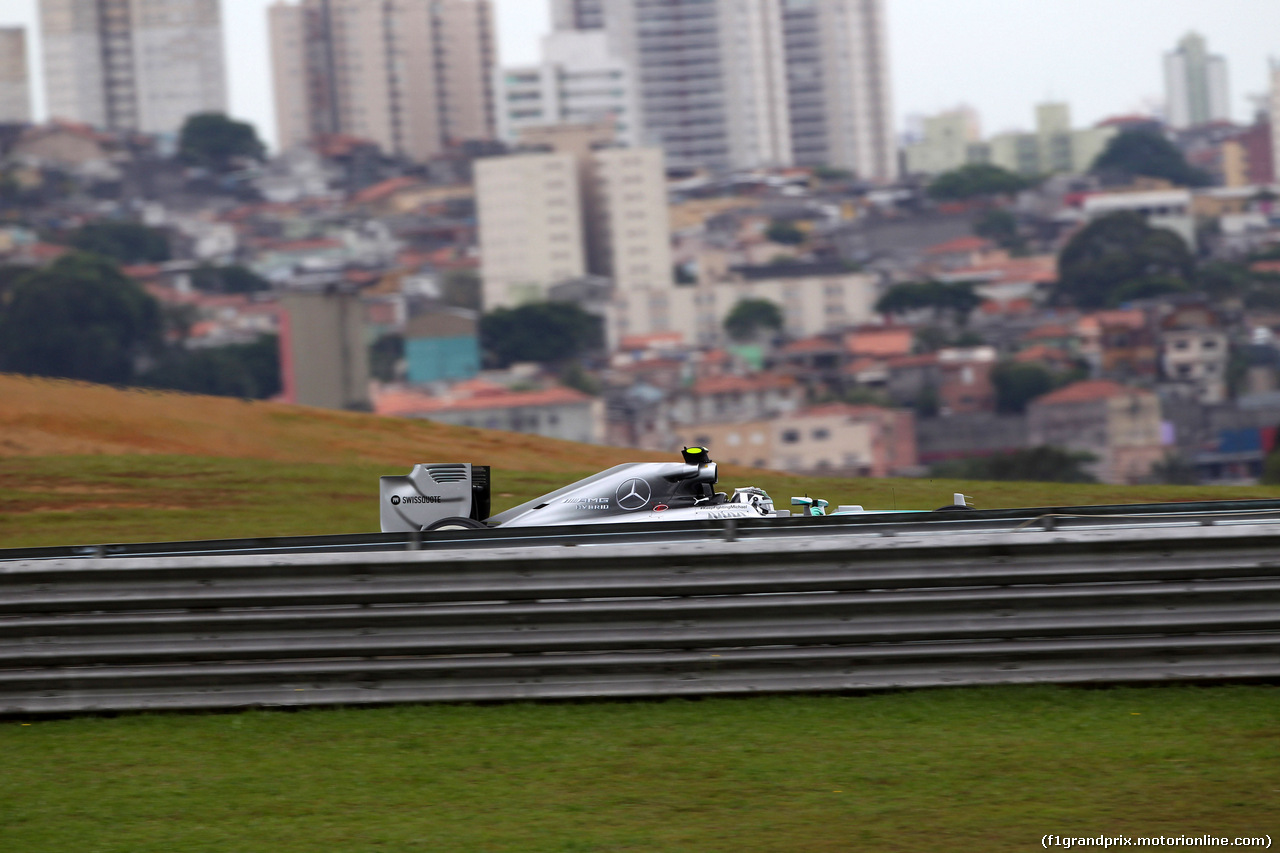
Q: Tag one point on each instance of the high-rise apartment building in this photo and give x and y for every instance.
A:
(15, 87)
(838, 86)
(542, 223)
(577, 14)
(410, 75)
(579, 81)
(1195, 84)
(133, 64)
(529, 210)
(711, 77)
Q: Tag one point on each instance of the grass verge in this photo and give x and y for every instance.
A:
(75, 500)
(989, 769)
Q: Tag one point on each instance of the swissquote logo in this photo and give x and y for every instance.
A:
(633, 494)
(396, 500)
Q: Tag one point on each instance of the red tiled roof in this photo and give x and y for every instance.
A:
(46, 251)
(387, 188)
(630, 342)
(1020, 305)
(141, 270)
(888, 340)
(304, 245)
(1265, 266)
(1048, 330)
(1083, 392)
(815, 344)
(922, 360)
(1040, 352)
(960, 244)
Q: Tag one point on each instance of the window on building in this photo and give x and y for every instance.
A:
(791, 436)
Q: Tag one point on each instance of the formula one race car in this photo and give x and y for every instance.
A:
(456, 497)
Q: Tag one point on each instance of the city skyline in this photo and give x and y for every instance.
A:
(999, 56)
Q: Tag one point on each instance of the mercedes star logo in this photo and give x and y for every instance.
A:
(633, 494)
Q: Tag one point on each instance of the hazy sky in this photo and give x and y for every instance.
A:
(1103, 57)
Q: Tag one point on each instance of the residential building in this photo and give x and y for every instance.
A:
(577, 14)
(530, 223)
(1194, 352)
(711, 78)
(410, 75)
(948, 138)
(324, 356)
(552, 216)
(579, 81)
(441, 346)
(1053, 147)
(558, 412)
(143, 65)
(15, 87)
(814, 298)
(719, 399)
(1165, 208)
(1119, 425)
(835, 439)
(838, 91)
(1195, 84)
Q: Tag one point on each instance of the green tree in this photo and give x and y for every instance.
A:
(1119, 255)
(1042, 464)
(750, 317)
(953, 299)
(975, 180)
(544, 332)
(1148, 154)
(1001, 227)
(126, 242)
(786, 233)
(249, 371)
(79, 318)
(385, 355)
(1017, 384)
(215, 141)
(229, 279)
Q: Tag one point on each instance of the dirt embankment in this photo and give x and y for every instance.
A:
(42, 417)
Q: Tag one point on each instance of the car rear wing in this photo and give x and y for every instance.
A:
(431, 492)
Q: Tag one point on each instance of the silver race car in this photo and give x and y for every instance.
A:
(456, 496)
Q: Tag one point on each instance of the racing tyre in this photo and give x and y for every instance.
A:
(457, 522)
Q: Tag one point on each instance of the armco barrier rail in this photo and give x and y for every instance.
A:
(830, 607)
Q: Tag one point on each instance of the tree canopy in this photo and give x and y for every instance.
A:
(79, 318)
(954, 299)
(750, 317)
(1042, 464)
(1119, 257)
(975, 180)
(1149, 154)
(215, 141)
(544, 332)
(229, 279)
(786, 233)
(1017, 384)
(126, 242)
(249, 371)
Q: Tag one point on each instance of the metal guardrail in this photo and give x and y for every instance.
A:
(797, 606)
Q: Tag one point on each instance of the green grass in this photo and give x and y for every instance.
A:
(71, 500)
(966, 769)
